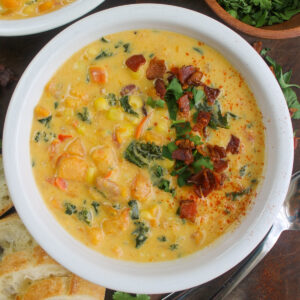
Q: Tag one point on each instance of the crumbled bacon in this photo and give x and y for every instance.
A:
(233, 145)
(185, 155)
(188, 210)
(160, 88)
(257, 46)
(6, 76)
(135, 61)
(216, 152)
(207, 181)
(156, 69)
(203, 119)
(211, 94)
(195, 79)
(184, 104)
(185, 144)
(220, 165)
(128, 89)
(185, 72)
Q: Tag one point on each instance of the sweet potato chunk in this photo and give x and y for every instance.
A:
(141, 188)
(76, 148)
(72, 168)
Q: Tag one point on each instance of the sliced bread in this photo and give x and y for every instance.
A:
(5, 201)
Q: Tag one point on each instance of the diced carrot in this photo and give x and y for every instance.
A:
(98, 75)
(72, 168)
(46, 5)
(63, 137)
(140, 127)
(61, 183)
(11, 4)
(41, 112)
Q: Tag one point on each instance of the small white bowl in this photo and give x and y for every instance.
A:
(188, 271)
(47, 21)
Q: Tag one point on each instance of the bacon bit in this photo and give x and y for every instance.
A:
(201, 150)
(195, 79)
(211, 94)
(184, 105)
(63, 137)
(220, 165)
(216, 152)
(160, 88)
(203, 119)
(258, 46)
(207, 181)
(156, 69)
(135, 61)
(185, 144)
(128, 89)
(58, 182)
(185, 72)
(185, 155)
(233, 145)
(188, 210)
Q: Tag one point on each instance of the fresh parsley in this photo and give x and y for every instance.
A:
(155, 103)
(140, 233)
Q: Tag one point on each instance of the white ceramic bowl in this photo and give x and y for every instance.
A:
(148, 277)
(48, 21)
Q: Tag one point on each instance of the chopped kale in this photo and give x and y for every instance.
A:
(199, 50)
(141, 154)
(124, 101)
(202, 162)
(46, 121)
(103, 54)
(84, 116)
(134, 211)
(173, 247)
(236, 195)
(162, 238)
(104, 40)
(151, 55)
(168, 150)
(157, 171)
(85, 216)
(140, 233)
(126, 47)
(96, 206)
(112, 99)
(56, 105)
(195, 139)
(70, 208)
(181, 127)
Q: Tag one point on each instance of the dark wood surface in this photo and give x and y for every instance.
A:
(278, 275)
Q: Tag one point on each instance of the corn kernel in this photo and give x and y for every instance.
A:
(90, 175)
(41, 112)
(136, 75)
(124, 132)
(167, 164)
(115, 114)
(71, 102)
(101, 104)
(135, 101)
(145, 214)
(68, 112)
(81, 129)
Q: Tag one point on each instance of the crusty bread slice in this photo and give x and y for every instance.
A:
(5, 201)
(26, 270)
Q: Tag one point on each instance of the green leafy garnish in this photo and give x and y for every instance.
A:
(168, 150)
(141, 154)
(126, 47)
(85, 216)
(236, 195)
(111, 99)
(84, 116)
(243, 170)
(96, 206)
(173, 247)
(46, 121)
(140, 233)
(56, 105)
(199, 50)
(173, 93)
(104, 40)
(182, 128)
(202, 162)
(125, 296)
(162, 238)
(124, 101)
(155, 103)
(70, 208)
(103, 54)
(134, 211)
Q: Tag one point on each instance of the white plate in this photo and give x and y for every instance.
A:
(148, 277)
(48, 21)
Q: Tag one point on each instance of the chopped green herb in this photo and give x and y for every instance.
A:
(124, 101)
(236, 195)
(126, 47)
(70, 208)
(199, 50)
(96, 206)
(37, 137)
(103, 54)
(141, 154)
(243, 170)
(168, 150)
(33, 163)
(173, 247)
(125, 296)
(203, 162)
(134, 211)
(195, 139)
(112, 99)
(84, 116)
(85, 216)
(104, 40)
(182, 128)
(199, 96)
(151, 55)
(56, 105)
(46, 121)
(162, 238)
(173, 93)
(155, 103)
(157, 171)
(140, 233)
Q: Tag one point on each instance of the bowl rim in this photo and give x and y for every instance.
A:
(48, 21)
(251, 30)
(123, 275)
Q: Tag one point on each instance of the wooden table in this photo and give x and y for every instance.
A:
(278, 275)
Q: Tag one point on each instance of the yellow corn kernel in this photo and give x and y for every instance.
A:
(101, 104)
(90, 175)
(115, 114)
(29, 10)
(71, 102)
(125, 192)
(145, 214)
(81, 129)
(162, 127)
(41, 112)
(95, 235)
(136, 75)
(167, 164)
(124, 132)
(135, 101)
(68, 112)
(151, 137)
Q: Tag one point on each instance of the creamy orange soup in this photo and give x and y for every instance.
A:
(147, 145)
(19, 9)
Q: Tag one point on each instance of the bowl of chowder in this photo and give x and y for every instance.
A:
(23, 17)
(148, 149)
